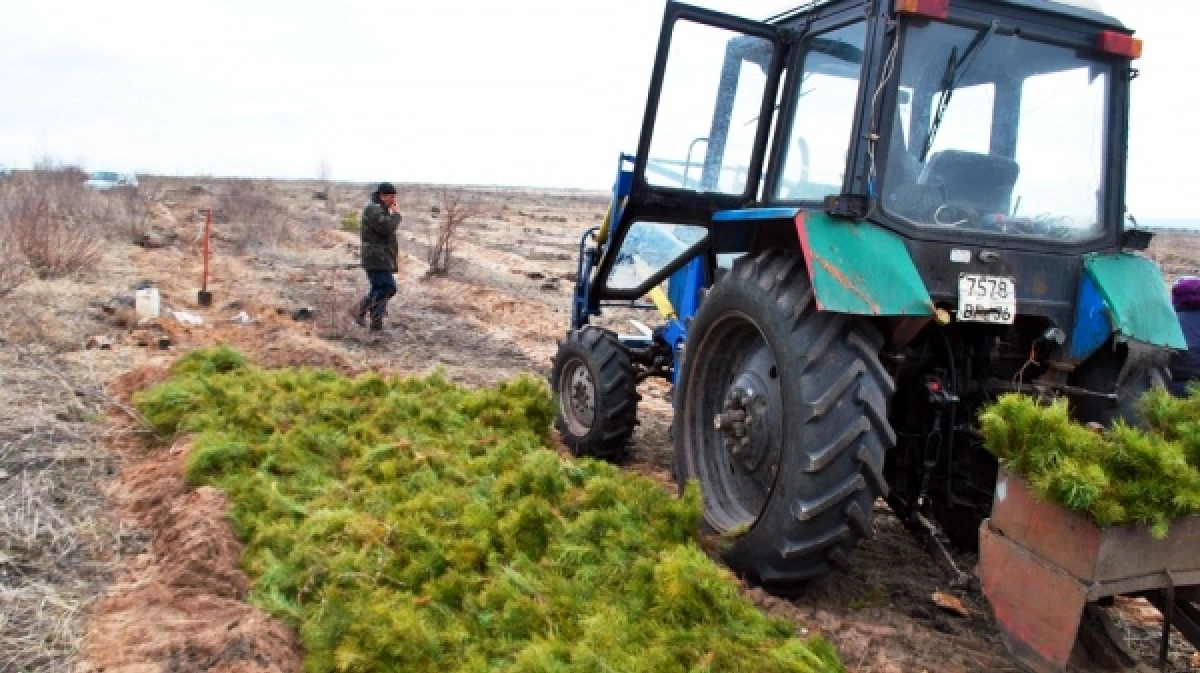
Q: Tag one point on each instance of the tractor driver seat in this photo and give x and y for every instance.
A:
(982, 181)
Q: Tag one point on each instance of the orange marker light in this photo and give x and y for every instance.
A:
(934, 9)
(1119, 44)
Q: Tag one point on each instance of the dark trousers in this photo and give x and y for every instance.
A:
(383, 288)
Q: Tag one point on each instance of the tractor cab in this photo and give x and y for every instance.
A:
(861, 221)
(997, 125)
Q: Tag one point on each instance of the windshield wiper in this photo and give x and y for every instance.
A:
(956, 68)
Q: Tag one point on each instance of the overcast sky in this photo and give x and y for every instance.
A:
(526, 92)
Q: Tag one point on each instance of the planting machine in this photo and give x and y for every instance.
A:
(861, 221)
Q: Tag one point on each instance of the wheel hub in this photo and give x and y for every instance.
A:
(737, 445)
(580, 395)
(744, 422)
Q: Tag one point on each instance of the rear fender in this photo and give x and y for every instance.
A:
(859, 268)
(1125, 295)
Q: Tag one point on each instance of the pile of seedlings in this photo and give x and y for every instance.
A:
(413, 524)
(1122, 475)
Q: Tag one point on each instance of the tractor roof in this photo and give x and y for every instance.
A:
(1075, 9)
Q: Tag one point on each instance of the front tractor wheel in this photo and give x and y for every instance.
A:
(782, 418)
(596, 388)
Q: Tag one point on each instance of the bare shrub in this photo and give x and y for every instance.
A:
(254, 215)
(14, 270)
(138, 202)
(454, 207)
(49, 218)
(52, 171)
(328, 187)
(333, 302)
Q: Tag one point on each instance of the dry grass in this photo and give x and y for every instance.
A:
(51, 541)
(57, 316)
(250, 215)
(137, 205)
(53, 225)
(14, 270)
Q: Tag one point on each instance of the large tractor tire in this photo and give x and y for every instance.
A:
(782, 417)
(596, 388)
(1105, 372)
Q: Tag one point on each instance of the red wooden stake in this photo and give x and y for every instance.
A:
(207, 234)
(205, 297)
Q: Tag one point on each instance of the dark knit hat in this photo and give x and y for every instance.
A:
(1185, 294)
(385, 188)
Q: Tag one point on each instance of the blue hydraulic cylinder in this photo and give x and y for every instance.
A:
(684, 289)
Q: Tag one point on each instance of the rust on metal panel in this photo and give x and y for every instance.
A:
(1114, 560)
(1037, 605)
(1050, 531)
(860, 268)
(845, 282)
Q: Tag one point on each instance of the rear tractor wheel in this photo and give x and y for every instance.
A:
(782, 418)
(1107, 372)
(596, 388)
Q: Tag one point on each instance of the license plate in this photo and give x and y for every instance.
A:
(983, 298)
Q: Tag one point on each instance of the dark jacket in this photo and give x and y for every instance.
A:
(379, 245)
(1185, 366)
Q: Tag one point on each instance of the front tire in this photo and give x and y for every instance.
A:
(782, 418)
(596, 389)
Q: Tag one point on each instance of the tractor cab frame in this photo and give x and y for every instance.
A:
(861, 221)
(855, 110)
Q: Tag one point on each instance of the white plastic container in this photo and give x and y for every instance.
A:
(145, 304)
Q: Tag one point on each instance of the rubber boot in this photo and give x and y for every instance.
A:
(360, 312)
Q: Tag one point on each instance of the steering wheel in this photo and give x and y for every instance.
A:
(956, 214)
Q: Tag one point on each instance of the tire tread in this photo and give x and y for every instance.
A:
(616, 389)
(844, 401)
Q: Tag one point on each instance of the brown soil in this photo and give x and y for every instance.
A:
(176, 602)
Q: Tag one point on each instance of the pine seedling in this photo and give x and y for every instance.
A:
(411, 524)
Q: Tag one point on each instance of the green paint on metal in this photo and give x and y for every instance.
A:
(1137, 299)
(860, 268)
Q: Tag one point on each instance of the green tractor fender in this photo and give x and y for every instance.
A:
(1125, 295)
(859, 268)
(855, 267)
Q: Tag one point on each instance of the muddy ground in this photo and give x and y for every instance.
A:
(137, 572)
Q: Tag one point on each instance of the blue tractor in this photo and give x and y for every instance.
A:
(862, 220)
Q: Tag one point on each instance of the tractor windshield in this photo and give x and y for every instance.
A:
(994, 132)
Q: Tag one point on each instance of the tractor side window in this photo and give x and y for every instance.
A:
(648, 248)
(712, 94)
(815, 157)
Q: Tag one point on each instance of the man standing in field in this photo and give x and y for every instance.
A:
(379, 255)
